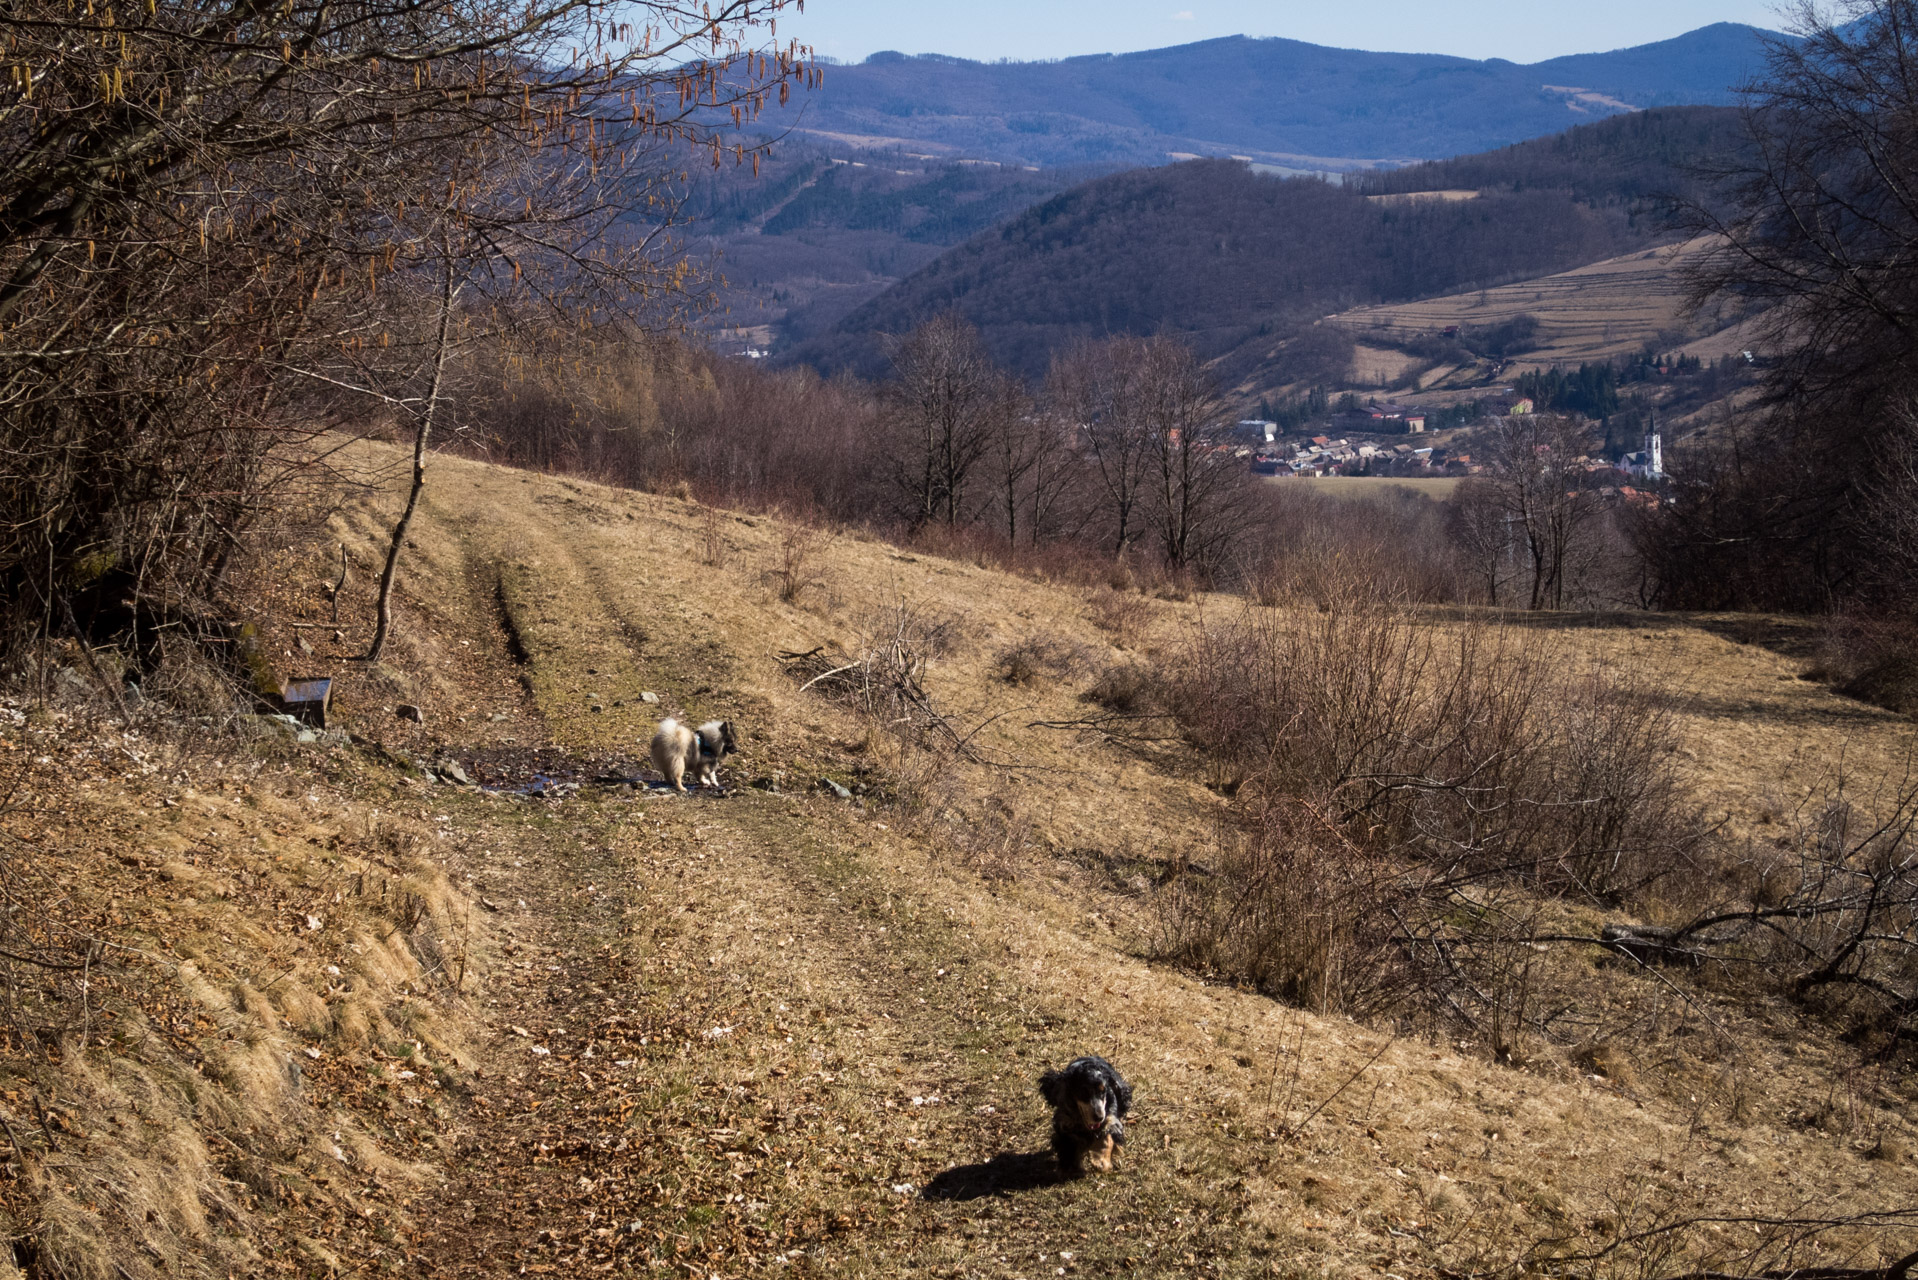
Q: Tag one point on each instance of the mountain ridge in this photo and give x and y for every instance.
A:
(1269, 99)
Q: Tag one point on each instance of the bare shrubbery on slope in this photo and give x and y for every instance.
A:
(1393, 771)
(1423, 802)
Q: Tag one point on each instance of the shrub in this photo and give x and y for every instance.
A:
(1037, 658)
(1124, 688)
(1121, 614)
(1407, 771)
(1293, 907)
(1872, 660)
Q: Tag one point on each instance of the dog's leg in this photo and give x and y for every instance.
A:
(1100, 1157)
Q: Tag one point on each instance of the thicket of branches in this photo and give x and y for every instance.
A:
(225, 227)
(1817, 219)
(1414, 793)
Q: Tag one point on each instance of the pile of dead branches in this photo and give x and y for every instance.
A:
(884, 680)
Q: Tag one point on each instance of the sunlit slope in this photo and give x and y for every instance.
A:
(891, 981)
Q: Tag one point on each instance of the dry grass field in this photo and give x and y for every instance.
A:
(1606, 309)
(1437, 488)
(395, 1026)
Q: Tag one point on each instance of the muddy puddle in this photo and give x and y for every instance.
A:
(542, 773)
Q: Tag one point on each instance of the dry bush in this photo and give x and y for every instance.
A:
(995, 838)
(1038, 658)
(1826, 910)
(798, 567)
(1313, 547)
(1124, 688)
(1874, 660)
(884, 680)
(1293, 906)
(1467, 745)
(1120, 614)
(714, 550)
(1411, 776)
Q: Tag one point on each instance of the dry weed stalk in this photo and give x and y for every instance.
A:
(714, 550)
(798, 568)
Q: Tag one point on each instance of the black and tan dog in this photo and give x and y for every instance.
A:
(1089, 1103)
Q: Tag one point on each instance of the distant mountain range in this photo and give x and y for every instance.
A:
(1280, 103)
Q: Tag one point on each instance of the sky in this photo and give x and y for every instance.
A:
(1521, 30)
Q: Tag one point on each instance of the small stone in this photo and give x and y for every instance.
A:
(452, 772)
(829, 785)
(649, 697)
(597, 708)
(499, 717)
(305, 648)
(407, 711)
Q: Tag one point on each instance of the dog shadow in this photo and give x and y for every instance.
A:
(1007, 1173)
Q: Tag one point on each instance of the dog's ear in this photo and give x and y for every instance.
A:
(1052, 1087)
(1124, 1093)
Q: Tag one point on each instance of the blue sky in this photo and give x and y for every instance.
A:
(1522, 30)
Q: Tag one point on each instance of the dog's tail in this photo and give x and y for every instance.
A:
(668, 723)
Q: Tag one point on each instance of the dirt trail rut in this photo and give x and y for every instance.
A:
(715, 1052)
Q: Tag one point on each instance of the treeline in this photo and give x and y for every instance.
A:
(800, 188)
(1121, 464)
(1122, 453)
(1604, 389)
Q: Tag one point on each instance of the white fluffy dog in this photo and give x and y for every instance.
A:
(676, 746)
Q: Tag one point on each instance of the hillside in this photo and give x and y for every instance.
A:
(1280, 102)
(342, 1017)
(821, 230)
(1236, 260)
(1596, 312)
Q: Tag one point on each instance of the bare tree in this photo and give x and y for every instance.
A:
(209, 209)
(1538, 486)
(1199, 489)
(1815, 224)
(1092, 386)
(1482, 529)
(948, 404)
(1819, 216)
(1891, 510)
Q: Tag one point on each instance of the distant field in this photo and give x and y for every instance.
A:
(1436, 488)
(1606, 309)
(1424, 197)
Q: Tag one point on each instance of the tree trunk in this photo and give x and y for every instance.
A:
(420, 438)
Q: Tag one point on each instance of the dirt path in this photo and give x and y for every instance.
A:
(770, 1033)
(713, 1050)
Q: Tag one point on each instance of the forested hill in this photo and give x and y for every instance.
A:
(1634, 157)
(1277, 101)
(1222, 254)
